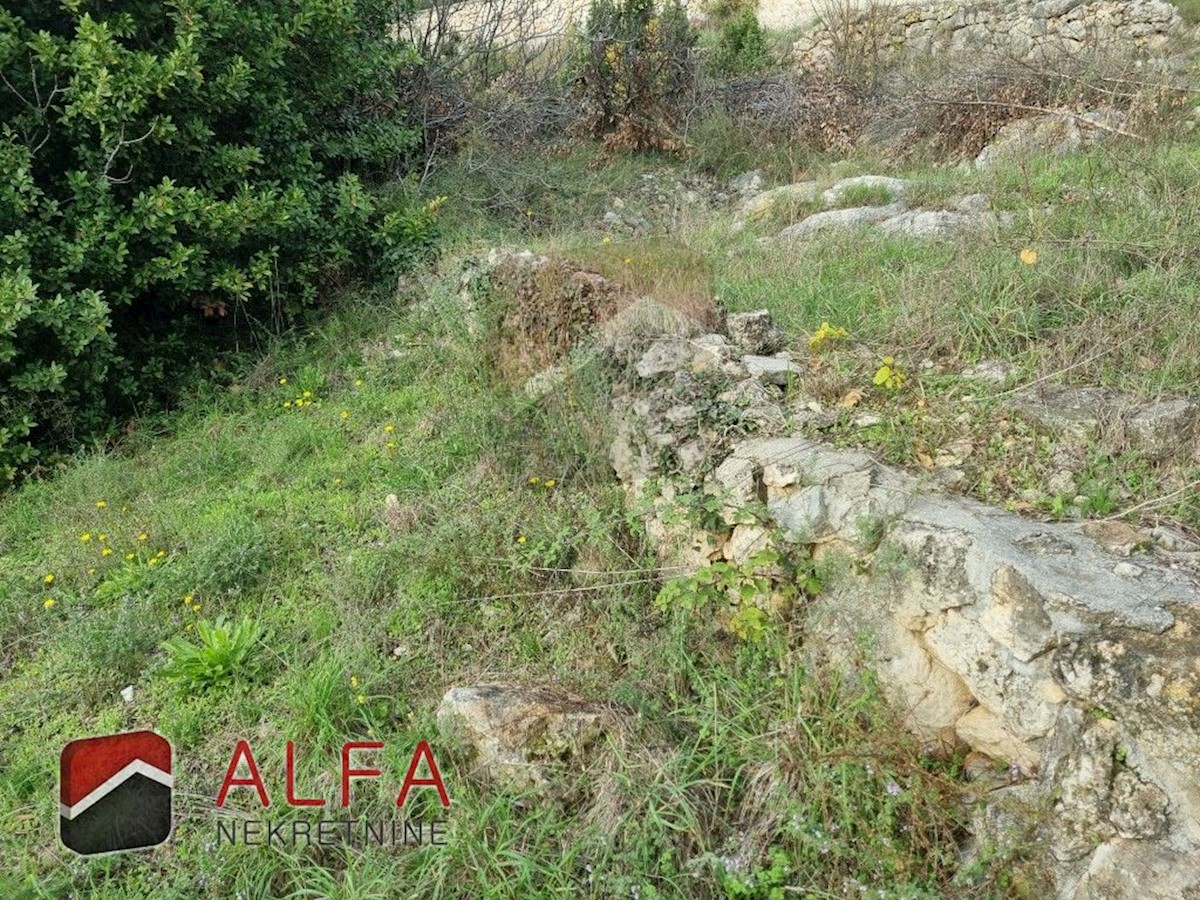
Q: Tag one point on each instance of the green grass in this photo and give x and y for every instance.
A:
(737, 770)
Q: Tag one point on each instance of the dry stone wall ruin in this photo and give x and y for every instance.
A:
(1065, 656)
(1022, 30)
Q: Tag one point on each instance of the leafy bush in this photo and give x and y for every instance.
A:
(742, 46)
(225, 652)
(637, 71)
(168, 168)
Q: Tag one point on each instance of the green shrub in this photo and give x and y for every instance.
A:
(169, 169)
(637, 72)
(742, 46)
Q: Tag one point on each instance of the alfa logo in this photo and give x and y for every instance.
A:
(115, 793)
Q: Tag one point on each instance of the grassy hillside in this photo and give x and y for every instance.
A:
(506, 553)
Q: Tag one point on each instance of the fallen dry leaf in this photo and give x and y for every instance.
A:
(852, 399)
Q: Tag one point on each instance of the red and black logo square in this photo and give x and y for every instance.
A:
(115, 792)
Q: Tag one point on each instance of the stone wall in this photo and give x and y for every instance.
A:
(1045, 650)
(1063, 660)
(1022, 29)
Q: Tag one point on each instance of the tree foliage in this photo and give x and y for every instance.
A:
(168, 165)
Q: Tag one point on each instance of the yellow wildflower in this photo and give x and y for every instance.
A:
(188, 599)
(161, 553)
(86, 536)
(283, 381)
(129, 557)
(107, 551)
(287, 404)
(361, 699)
(101, 504)
(533, 479)
(196, 607)
(48, 578)
(143, 537)
(549, 483)
(307, 395)
(1029, 256)
(49, 602)
(102, 538)
(91, 570)
(345, 414)
(358, 382)
(521, 539)
(606, 240)
(388, 429)
(353, 681)
(391, 445)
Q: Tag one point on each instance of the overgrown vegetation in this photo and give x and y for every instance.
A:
(325, 536)
(178, 175)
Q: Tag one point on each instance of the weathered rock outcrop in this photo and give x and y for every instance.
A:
(1065, 653)
(522, 736)
(1044, 647)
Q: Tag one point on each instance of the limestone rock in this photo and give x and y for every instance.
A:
(1066, 409)
(762, 206)
(754, 332)
(895, 188)
(1164, 428)
(840, 220)
(748, 183)
(664, 357)
(772, 369)
(522, 736)
(945, 224)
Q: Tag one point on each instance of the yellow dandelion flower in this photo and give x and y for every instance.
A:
(344, 414)
(287, 404)
(189, 599)
(107, 551)
(153, 561)
(388, 429)
(161, 553)
(358, 382)
(91, 570)
(283, 381)
(48, 578)
(85, 537)
(306, 395)
(101, 504)
(129, 557)
(549, 482)
(391, 445)
(337, 481)
(196, 607)
(353, 681)
(533, 479)
(143, 537)
(606, 240)
(628, 260)
(360, 699)
(1029, 256)
(521, 539)
(187, 627)
(49, 602)
(102, 538)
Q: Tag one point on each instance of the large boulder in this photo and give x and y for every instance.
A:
(523, 737)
